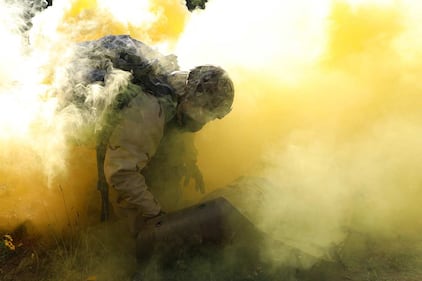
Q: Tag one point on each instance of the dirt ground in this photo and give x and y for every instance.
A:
(95, 254)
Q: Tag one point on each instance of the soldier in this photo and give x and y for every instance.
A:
(158, 101)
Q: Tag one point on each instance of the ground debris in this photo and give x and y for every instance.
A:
(19, 255)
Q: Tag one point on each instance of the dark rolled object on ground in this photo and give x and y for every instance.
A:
(219, 239)
(208, 225)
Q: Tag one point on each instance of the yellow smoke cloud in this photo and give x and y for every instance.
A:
(149, 21)
(43, 177)
(327, 108)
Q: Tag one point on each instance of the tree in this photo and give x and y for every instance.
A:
(193, 4)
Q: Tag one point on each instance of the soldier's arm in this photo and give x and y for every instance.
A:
(132, 144)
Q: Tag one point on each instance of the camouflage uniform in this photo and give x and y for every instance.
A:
(159, 99)
(132, 144)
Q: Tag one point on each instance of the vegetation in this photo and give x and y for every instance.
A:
(194, 4)
(104, 252)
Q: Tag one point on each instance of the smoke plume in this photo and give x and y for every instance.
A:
(327, 109)
(48, 173)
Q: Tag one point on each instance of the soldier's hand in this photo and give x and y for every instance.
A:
(194, 173)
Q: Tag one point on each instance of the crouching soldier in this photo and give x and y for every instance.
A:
(203, 94)
(157, 102)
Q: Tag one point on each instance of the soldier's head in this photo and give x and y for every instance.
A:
(209, 95)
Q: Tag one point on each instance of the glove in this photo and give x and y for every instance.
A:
(193, 172)
(141, 221)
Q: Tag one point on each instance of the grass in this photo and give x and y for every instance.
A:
(103, 251)
(100, 252)
(106, 252)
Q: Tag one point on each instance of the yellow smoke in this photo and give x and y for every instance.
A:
(149, 21)
(327, 108)
(44, 178)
